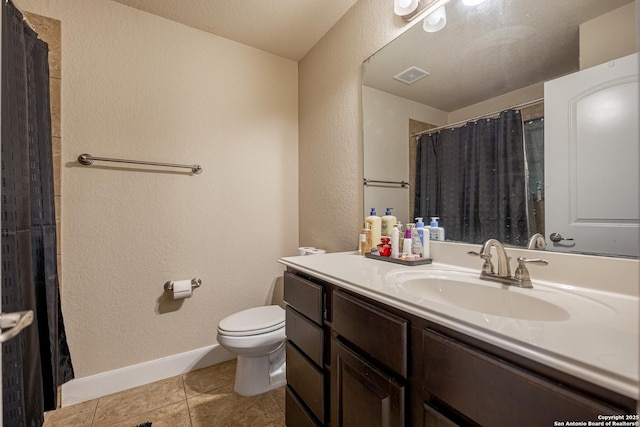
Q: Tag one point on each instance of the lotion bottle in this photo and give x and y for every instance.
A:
(436, 233)
(416, 244)
(375, 224)
(395, 241)
(425, 242)
(388, 221)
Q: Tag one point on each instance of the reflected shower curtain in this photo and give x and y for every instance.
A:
(37, 361)
(474, 178)
(534, 147)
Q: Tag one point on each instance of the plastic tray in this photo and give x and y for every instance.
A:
(422, 261)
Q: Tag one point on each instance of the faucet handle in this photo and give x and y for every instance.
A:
(487, 267)
(522, 274)
(522, 261)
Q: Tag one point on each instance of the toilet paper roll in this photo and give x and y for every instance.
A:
(304, 249)
(315, 251)
(181, 289)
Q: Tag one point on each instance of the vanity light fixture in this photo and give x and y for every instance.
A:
(433, 11)
(415, 9)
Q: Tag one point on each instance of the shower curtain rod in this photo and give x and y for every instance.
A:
(483, 116)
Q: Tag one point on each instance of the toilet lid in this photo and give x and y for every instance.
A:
(257, 320)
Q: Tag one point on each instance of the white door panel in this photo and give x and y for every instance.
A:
(591, 159)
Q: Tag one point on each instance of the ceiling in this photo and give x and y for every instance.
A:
(486, 51)
(287, 28)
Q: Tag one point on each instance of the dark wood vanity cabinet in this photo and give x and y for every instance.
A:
(470, 384)
(346, 358)
(368, 364)
(307, 380)
(353, 361)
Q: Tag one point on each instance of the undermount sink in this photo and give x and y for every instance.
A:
(467, 291)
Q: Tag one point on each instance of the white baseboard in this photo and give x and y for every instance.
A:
(95, 386)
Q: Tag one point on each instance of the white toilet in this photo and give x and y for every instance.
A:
(256, 336)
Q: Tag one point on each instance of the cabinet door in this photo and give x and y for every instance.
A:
(360, 394)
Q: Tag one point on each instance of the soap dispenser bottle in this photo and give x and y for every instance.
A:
(375, 224)
(425, 241)
(388, 221)
(436, 232)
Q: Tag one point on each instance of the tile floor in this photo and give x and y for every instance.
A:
(202, 398)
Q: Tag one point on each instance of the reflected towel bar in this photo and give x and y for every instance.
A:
(402, 184)
(88, 159)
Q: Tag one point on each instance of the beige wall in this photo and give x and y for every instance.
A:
(610, 36)
(141, 87)
(330, 147)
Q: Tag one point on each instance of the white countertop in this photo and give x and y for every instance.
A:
(598, 343)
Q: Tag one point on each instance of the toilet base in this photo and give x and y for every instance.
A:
(257, 375)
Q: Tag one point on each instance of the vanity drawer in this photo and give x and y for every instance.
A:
(376, 332)
(493, 392)
(307, 381)
(305, 334)
(295, 413)
(433, 418)
(304, 296)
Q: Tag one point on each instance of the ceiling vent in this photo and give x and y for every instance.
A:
(411, 75)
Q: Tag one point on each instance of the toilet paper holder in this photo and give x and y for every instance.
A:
(195, 283)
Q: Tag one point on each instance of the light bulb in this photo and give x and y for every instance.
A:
(404, 7)
(435, 21)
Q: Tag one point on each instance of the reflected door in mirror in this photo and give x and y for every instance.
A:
(591, 159)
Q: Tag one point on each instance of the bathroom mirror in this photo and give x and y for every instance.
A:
(489, 57)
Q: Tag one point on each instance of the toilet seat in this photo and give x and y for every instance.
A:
(253, 321)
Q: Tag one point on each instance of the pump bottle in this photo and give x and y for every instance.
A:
(425, 242)
(375, 223)
(388, 221)
(436, 232)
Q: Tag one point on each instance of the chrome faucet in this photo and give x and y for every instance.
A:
(537, 242)
(521, 277)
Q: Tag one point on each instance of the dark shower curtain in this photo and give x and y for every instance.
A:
(37, 361)
(473, 177)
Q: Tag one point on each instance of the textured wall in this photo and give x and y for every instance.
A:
(141, 87)
(330, 148)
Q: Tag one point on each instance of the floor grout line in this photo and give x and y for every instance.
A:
(186, 398)
(190, 384)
